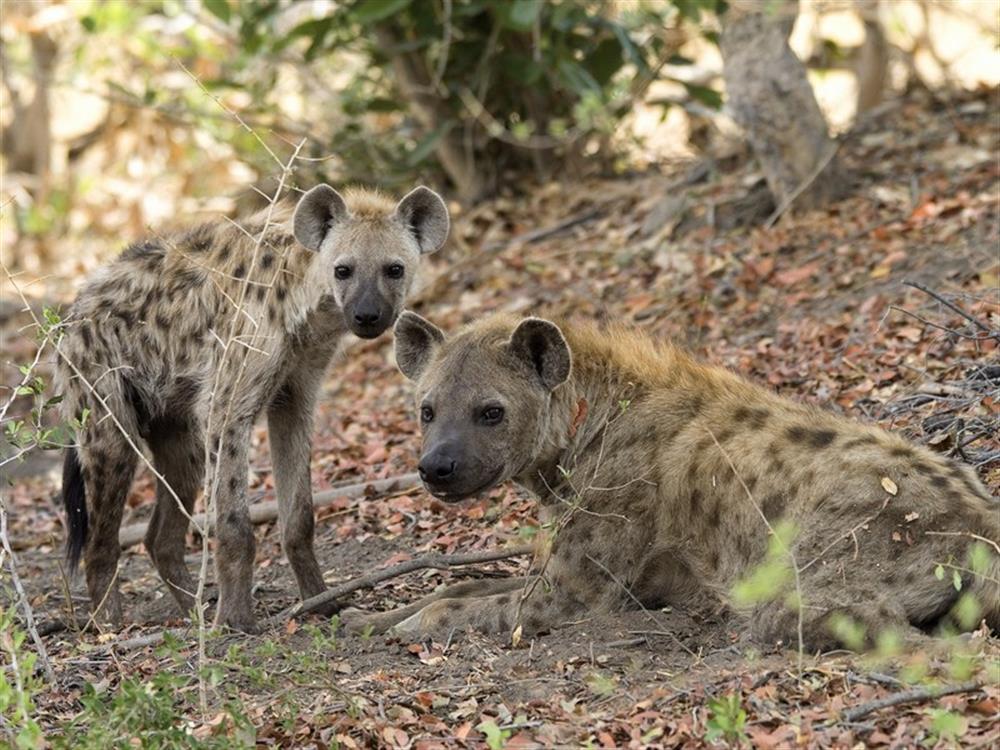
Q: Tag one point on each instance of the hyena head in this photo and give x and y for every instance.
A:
(484, 397)
(368, 249)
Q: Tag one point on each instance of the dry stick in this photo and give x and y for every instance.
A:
(968, 534)
(955, 308)
(916, 695)
(29, 617)
(267, 510)
(368, 580)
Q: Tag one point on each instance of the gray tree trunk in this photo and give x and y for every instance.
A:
(770, 97)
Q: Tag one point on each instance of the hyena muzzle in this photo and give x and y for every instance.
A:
(664, 479)
(185, 339)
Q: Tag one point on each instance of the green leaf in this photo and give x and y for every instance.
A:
(939, 572)
(367, 12)
(519, 14)
(89, 24)
(605, 60)
(219, 9)
(707, 96)
(956, 580)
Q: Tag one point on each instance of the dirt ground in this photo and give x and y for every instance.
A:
(815, 306)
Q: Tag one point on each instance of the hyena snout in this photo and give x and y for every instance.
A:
(451, 473)
(369, 316)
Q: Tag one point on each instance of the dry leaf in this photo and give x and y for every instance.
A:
(889, 486)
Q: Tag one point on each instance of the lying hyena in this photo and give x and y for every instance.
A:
(660, 472)
(184, 340)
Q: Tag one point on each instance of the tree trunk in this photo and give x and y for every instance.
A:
(415, 85)
(769, 95)
(872, 65)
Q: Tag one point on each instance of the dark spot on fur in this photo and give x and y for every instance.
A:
(724, 436)
(858, 442)
(272, 314)
(939, 481)
(774, 506)
(281, 293)
(715, 518)
(148, 251)
(231, 449)
(162, 321)
(714, 562)
(751, 482)
(694, 500)
(267, 260)
(813, 438)
(261, 293)
(742, 414)
(901, 451)
(223, 253)
(534, 624)
(454, 605)
(240, 271)
(232, 484)
(88, 340)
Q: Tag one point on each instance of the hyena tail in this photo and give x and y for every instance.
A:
(75, 502)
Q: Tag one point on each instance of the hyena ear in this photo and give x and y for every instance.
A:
(426, 216)
(416, 340)
(316, 212)
(541, 344)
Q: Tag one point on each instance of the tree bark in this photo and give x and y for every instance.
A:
(414, 81)
(770, 96)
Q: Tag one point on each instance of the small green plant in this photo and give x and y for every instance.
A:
(771, 578)
(496, 737)
(150, 715)
(18, 686)
(946, 725)
(727, 720)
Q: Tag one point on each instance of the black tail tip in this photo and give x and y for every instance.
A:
(75, 502)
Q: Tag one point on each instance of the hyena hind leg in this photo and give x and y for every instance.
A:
(358, 621)
(108, 463)
(179, 457)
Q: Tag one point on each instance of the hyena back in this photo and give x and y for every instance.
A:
(185, 339)
(665, 478)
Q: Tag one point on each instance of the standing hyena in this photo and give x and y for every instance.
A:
(659, 470)
(184, 340)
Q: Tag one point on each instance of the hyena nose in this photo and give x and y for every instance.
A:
(366, 318)
(436, 468)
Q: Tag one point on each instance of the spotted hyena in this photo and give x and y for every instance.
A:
(664, 477)
(185, 339)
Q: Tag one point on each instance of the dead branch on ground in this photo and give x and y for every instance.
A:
(917, 695)
(267, 510)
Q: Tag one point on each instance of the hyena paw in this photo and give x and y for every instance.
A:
(244, 622)
(357, 620)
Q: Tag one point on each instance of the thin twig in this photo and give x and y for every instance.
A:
(368, 580)
(810, 178)
(29, 617)
(917, 695)
(955, 308)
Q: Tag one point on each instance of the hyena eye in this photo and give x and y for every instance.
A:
(426, 414)
(342, 272)
(395, 271)
(493, 414)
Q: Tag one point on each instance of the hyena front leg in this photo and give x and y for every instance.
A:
(290, 426)
(358, 621)
(179, 456)
(536, 607)
(226, 484)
